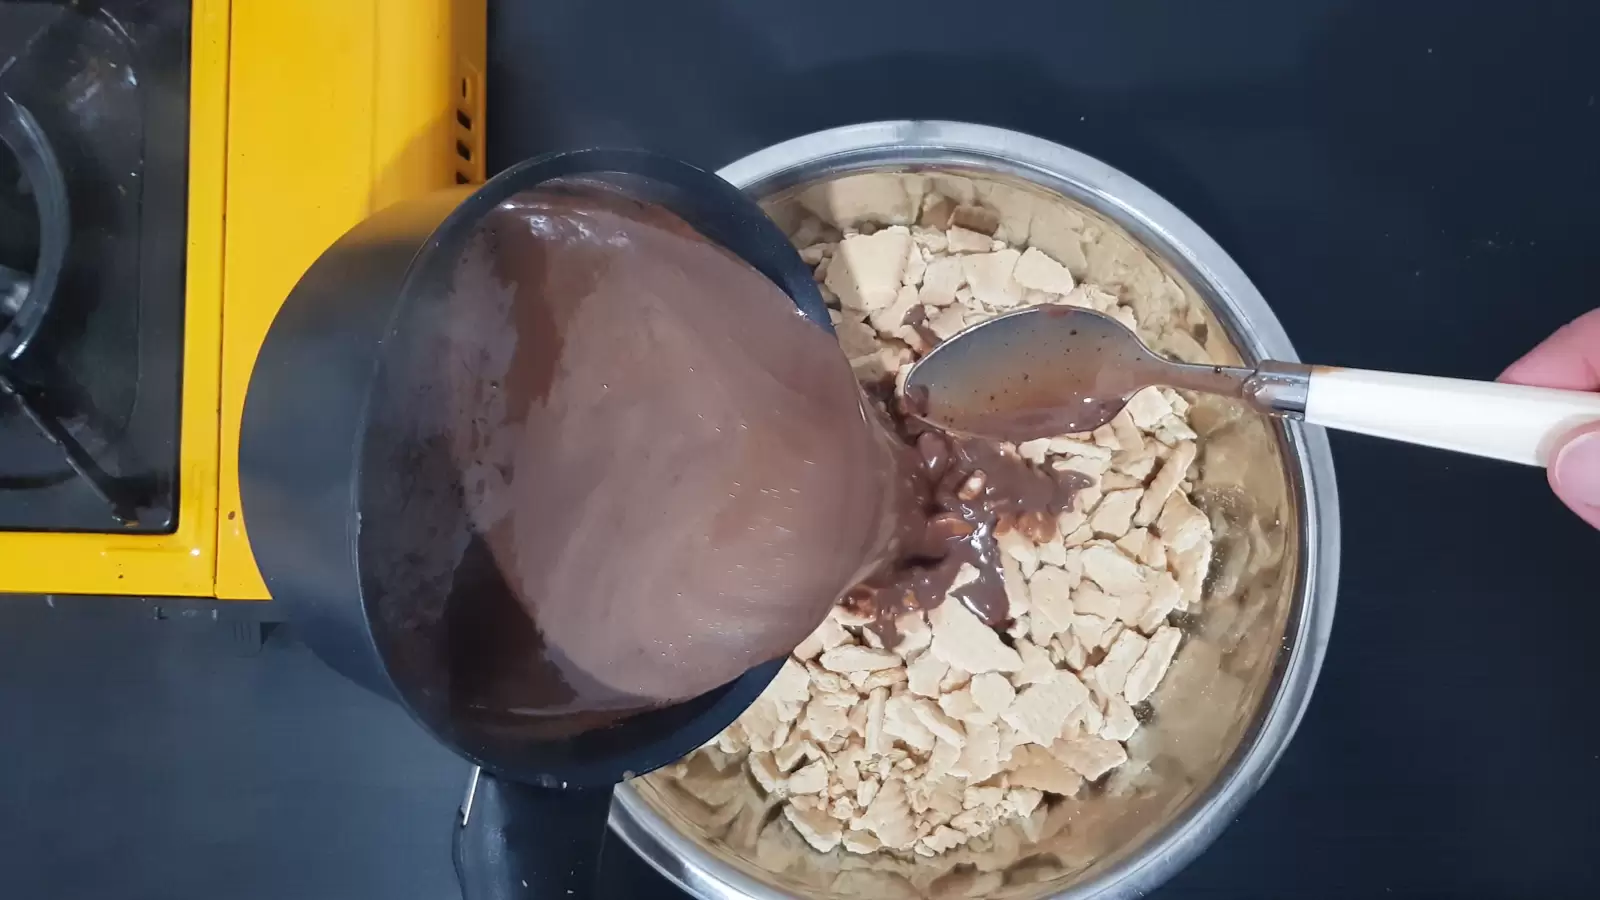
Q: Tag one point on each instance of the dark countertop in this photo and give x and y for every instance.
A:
(1413, 186)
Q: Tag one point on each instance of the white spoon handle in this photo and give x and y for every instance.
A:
(1484, 418)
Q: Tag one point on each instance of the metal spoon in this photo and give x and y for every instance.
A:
(1051, 370)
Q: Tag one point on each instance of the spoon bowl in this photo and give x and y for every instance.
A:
(1046, 371)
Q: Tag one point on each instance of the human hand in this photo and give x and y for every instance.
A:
(1570, 359)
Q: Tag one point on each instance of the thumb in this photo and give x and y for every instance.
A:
(1575, 473)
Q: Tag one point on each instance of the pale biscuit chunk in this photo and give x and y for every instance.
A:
(1090, 757)
(966, 643)
(764, 769)
(1035, 767)
(868, 270)
(1115, 574)
(948, 322)
(989, 276)
(872, 197)
(892, 318)
(1018, 599)
(992, 693)
(858, 659)
(828, 635)
(1114, 516)
(1148, 671)
(1181, 525)
(1120, 722)
(1173, 470)
(1121, 656)
(1036, 271)
(1090, 630)
(960, 705)
(1041, 711)
(916, 266)
(1036, 666)
(980, 756)
(1148, 407)
(795, 751)
(942, 278)
(901, 723)
(962, 240)
(1051, 592)
(1034, 451)
(1016, 545)
(942, 726)
(924, 674)
(889, 817)
(812, 779)
(820, 830)
(873, 734)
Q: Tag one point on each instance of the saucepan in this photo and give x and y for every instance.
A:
(356, 511)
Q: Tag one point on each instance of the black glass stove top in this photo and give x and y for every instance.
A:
(91, 327)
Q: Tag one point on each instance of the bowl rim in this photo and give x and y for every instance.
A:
(1254, 330)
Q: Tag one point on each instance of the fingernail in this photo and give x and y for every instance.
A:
(1577, 469)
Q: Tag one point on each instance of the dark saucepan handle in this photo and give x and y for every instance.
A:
(518, 841)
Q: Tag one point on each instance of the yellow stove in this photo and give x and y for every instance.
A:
(304, 116)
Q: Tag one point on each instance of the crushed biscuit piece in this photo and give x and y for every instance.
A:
(980, 756)
(892, 318)
(764, 768)
(1035, 767)
(961, 240)
(1036, 666)
(1113, 572)
(924, 673)
(823, 719)
(960, 705)
(1120, 722)
(889, 817)
(989, 276)
(1114, 516)
(1034, 451)
(867, 270)
(1037, 271)
(947, 323)
(975, 218)
(1126, 650)
(812, 779)
(964, 642)
(941, 839)
(1181, 525)
(1051, 592)
(916, 267)
(828, 635)
(992, 693)
(1041, 710)
(943, 727)
(1152, 665)
(1148, 407)
(944, 276)
(858, 659)
(1090, 630)
(1165, 596)
(900, 722)
(794, 751)
(1173, 470)
(1091, 756)
(1013, 543)
(820, 830)
(873, 733)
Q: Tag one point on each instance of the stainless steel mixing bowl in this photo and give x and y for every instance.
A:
(1243, 678)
